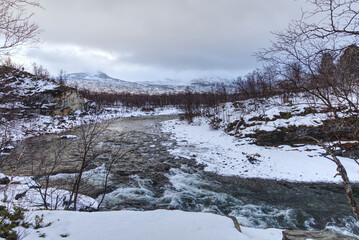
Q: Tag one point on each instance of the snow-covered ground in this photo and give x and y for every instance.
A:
(149, 225)
(131, 225)
(26, 85)
(264, 114)
(138, 112)
(33, 196)
(227, 155)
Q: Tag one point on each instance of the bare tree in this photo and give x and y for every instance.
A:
(45, 163)
(189, 105)
(40, 72)
(343, 174)
(16, 27)
(259, 83)
(86, 151)
(61, 78)
(318, 54)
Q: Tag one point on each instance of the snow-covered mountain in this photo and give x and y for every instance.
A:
(101, 82)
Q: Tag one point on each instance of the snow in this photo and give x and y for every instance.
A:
(221, 153)
(101, 82)
(12, 105)
(231, 156)
(25, 86)
(95, 176)
(32, 195)
(137, 112)
(149, 225)
(226, 155)
(270, 109)
(68, 136)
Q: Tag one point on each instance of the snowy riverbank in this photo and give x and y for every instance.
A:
(227, 155)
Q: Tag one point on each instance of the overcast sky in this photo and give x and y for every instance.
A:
(152, 40)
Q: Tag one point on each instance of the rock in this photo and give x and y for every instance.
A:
(314, 235)
(4, 180)
(236, 224)
(68, 137)
(331, 130)
(60, 101)
(20, 195)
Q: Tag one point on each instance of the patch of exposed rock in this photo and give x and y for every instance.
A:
(331, 130)
(314, 235)
(59, 101)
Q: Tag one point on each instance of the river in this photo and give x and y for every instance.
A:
(254, 202)
(149, 177)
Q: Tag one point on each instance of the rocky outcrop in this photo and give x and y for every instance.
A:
(314, 235)
(331, 130)
(289, 136)
(59, 101)
(23, 94)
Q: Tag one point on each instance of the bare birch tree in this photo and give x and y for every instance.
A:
(86, 152)
(16, 27)
(321, 48)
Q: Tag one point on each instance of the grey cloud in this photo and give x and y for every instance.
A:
(180, 35)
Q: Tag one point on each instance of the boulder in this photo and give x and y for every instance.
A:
(4, 180)
(314, 235)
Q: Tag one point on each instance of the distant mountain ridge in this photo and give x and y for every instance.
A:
(101, 82)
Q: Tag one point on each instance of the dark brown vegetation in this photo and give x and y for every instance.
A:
(159, 100)
(192, 103)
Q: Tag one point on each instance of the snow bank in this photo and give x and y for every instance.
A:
(149, 225)
(226, 155)
(270, 109)
(24, 192)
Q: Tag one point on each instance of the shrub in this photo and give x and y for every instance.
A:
(9, 220)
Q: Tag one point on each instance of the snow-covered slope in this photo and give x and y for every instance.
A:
(15, 85)
(101, 82)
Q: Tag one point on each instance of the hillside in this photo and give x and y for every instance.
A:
(101, 82)
(23, 94)
(32, 105)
